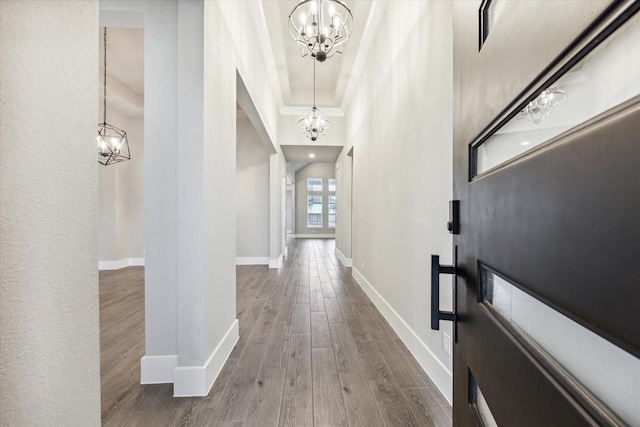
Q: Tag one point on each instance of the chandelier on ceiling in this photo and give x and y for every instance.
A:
(113, 145)
(313, 124)
(321, 27)
(540, 108)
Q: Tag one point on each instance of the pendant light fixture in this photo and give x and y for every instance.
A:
(321, 27)
(113, 145)
(548, 101)
(314, 124)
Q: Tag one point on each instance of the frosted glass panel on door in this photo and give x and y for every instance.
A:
(480, 403)
(606, 77)
(607, 371)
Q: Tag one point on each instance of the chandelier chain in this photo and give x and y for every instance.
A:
(105, 77)
(113, 144)
(314, 84)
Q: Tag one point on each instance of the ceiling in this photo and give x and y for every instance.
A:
(125, 65)
(295, 72)
(300, 153)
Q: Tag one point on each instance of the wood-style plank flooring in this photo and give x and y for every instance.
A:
(313, 351)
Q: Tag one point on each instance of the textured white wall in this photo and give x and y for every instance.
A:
(49, 346)
(400, 126)
(252, 193)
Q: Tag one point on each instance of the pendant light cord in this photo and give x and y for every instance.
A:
(105, 76)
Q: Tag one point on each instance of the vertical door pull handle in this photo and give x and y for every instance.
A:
(436, 271)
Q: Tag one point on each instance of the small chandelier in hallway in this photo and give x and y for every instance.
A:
(113, 145)
(540, 108)
(313, 124)
(320, 27)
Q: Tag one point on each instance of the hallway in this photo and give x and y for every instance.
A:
(313, 350)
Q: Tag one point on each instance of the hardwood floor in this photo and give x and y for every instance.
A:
(313, 351)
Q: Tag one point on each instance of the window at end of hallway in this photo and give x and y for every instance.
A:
(314, 211)
(331, 184)
(314, 184)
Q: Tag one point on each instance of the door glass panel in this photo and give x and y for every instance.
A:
(607, 371)
(606, 77)
(479, 403)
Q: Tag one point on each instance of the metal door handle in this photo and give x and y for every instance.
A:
(436, 271)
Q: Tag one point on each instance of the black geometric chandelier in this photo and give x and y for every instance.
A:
(313, 124)
(321, 27)
(113, 145)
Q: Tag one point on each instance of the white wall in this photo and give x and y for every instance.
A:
(252, 196)
(277, 186)
(50, 354)
(290, 223)
(344, 171)
(399, 123)
(135, 180)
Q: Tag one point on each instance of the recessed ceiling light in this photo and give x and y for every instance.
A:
(525, 143)
(312, 155)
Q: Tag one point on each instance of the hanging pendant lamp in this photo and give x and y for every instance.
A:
(320, 27)
(313, 124)
(113, 145)
(541, 107)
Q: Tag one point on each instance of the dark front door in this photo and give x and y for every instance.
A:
(547, 171)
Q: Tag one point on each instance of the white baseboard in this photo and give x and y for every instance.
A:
(347, 262)
(252, 260)
(121, 263)
(276, 263)
(190, 381)
(314, 236)
(157, 369)
(441, 376)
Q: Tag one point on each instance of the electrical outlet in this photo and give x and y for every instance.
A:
(446, 343)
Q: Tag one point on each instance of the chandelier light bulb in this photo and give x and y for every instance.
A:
(323, 29)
